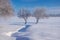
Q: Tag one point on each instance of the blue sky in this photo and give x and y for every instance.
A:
(34, 3)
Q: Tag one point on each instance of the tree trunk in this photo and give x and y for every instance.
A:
(37, 20)
(25, 21)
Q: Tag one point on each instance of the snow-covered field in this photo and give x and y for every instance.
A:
(46, 29)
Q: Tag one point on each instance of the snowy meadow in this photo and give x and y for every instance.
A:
(46, 29)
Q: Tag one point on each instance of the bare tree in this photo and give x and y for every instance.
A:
(24, 13)
(39, 13)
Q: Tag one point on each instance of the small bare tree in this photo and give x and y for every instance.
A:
(24, 13)
(39, 13)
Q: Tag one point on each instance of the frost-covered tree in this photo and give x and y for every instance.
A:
(5, 8)
(24, 13)
(39, 13)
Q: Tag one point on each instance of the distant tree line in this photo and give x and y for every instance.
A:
(54, 15)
